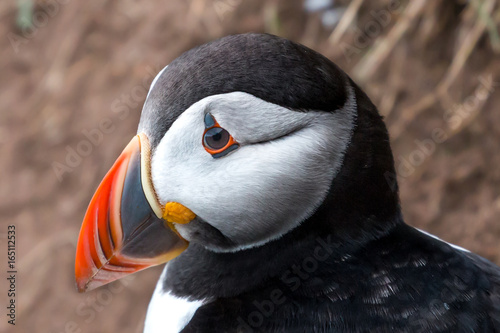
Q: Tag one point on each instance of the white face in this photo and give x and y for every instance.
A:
(278, 176)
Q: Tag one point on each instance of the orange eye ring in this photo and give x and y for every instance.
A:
(216, 140)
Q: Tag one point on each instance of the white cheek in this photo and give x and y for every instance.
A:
(180, 159)
(259, 191)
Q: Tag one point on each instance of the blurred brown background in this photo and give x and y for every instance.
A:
(431, 66)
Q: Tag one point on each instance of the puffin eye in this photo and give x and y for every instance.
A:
(216, 140)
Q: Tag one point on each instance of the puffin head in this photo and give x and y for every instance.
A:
(240, 141)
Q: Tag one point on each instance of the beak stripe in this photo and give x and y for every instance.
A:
(116, 233)
(146, 178)
(110, 233)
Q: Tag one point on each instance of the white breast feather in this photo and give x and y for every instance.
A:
(168, 313)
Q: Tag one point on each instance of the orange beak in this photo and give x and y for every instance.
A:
(124, 230)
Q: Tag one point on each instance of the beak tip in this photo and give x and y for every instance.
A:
(81, 286)
(84, 285)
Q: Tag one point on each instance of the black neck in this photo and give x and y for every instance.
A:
(201, 273)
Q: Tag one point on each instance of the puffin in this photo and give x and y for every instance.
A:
(263, 177)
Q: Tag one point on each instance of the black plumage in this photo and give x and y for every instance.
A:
(354, 265)
(403, 281)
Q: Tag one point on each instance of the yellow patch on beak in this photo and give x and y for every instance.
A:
(176, 213)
